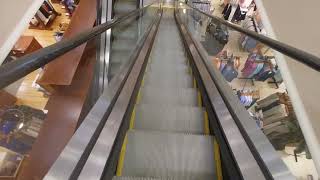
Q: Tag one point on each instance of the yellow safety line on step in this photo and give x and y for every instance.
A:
(121, 158)
(199, 99)
(206, 123)
(132, 119)
(194, 83)
(138, 97)
(142, 81)
(217, 158)
(215, 147)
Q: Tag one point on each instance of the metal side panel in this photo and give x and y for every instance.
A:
(169, 96)
(169, 118)
(176, 155)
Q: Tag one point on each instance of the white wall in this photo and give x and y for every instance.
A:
(297, 23)
(15, 16)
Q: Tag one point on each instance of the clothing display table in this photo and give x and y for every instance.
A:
(25, 45)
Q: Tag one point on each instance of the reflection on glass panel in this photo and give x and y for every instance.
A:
(125, 38)
(251, 70)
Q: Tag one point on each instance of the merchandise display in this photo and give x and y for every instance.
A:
(248, 97)
(10, 163)
(228, 65)
(244, 60)
(44, 16)
(19, 127)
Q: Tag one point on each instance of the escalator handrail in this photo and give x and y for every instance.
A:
(21, 67)
(295, 53)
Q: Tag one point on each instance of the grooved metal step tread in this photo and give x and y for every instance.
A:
(168, 69)
(175, 155)
(168, 95)
(124, 44)
(169, 118)
(169, 74)
(119, 56)
(168, 80)
(168, 63)
(139, 178)
(123, 7)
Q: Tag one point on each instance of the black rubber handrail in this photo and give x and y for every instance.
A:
(295, 53)
(21, 67)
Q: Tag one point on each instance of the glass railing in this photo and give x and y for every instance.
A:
(125, 38)
(250, 69)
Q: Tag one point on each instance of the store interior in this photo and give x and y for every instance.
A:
(23, 104)
(252, 72)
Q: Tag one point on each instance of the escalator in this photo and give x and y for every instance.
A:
(166, 117)
(168, 135)
(165, 112)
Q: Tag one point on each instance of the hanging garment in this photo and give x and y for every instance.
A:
(226, 12)
(265, 73)
(222, 65)
(249, 65)
(259, 61)
(229, 72)
(239, 14)
(264, 76)
(257, 70)
(250, 44)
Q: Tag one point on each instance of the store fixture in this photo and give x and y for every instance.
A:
(248, 97)
(228, 65)
(44, 16)
(236, 10)
(19, 127)
(25, 45)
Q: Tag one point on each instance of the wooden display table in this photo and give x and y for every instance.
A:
(25, 45)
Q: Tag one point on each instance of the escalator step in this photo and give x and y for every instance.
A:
(169, 63)
(139, 178)
(124, 44)
(168, 96)
(173, 155)
(169, 118)
(168, 80)
(123, 7)
(169, 69)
